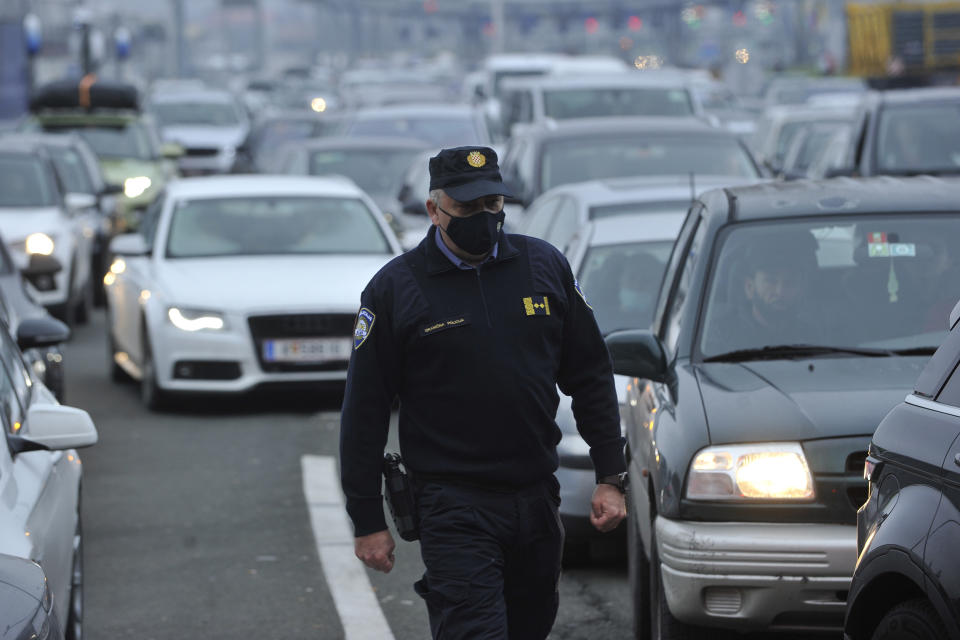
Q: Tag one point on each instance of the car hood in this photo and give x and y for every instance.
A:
(790, 400)
(17, 223)
(196, 136)
(265, 283)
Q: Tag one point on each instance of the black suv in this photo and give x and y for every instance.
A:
(791, 318)
(908, 572)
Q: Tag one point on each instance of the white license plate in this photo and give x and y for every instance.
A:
(307, 350)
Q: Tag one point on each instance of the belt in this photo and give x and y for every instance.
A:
(419, 479)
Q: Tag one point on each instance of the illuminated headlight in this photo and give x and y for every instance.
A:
(39, 244)
(195, 320)
(768, 471)
(134, 187)
(318, 104)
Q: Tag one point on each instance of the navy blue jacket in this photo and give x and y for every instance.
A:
(476, 357)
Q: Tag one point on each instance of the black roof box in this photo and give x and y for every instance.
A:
(87, 93)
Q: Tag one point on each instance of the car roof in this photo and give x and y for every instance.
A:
(919, 95)
(262, 185)
(597, 80)
(66, 139)
(364, 142)
(840, 196)
(628, 228)
(789, 113)
(17, 145)
(581, 127)
(612, 191)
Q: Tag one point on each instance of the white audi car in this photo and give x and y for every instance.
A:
(240, 281)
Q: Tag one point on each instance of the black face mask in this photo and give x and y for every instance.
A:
(475, 234)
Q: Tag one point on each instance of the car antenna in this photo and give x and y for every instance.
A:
(693, 188)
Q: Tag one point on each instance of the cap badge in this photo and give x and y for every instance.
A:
(476, 159)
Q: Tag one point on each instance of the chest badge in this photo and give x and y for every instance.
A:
(536, 306)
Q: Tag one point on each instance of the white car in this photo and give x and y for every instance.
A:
(40, 222)
(40, 473)
(619, 262)
(241, 281)
(558, 214)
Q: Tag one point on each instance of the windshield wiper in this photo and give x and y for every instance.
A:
(789, 351)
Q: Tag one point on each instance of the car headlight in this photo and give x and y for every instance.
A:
(39, 244)
(767, 471)
(195, 320)
(134, 187)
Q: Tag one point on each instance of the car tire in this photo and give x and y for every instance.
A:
(152, 396)
(74, 629)
(663, 626)
(638, 572)
(911, 620)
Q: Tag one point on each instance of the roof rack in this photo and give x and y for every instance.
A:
(87, 93)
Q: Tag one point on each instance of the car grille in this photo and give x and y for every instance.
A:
(201, 151)
(304, 325)
(206, 370)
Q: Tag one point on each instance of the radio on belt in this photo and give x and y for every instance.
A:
(399, 497)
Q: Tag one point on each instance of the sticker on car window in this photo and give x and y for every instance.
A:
(884, 245)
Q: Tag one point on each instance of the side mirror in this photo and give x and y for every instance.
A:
(41, 265)
(129, 244)
(54, 428)
(41, 332)
(80, 201)
(171, 150)
(638, 354)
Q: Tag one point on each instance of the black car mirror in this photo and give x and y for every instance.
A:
(41, 332)
(41, 265)
(638, 354)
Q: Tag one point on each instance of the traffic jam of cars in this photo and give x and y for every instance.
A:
(774, 265)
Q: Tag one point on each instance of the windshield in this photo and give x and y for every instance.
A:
(378, 172)
(25, 182)
(273, 226)
(870, 282)
(919, 139)
(621, 282)
(126, 141)
(214, 114)
(590, 103)
(595, 158)
(439, 131)
(72, 171)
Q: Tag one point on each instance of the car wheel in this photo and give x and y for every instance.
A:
(74, 630)
(911, 620)
(151, 394)
(638, 570)
(663, 626)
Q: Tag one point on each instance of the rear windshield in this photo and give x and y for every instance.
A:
(274, 226)
(595, 103)
(129, 141)
(25, 182)
(378, 172)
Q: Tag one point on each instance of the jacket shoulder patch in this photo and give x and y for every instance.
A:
(364, 326)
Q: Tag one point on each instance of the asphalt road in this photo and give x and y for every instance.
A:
(196, 525)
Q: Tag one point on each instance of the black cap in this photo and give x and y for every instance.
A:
(467, 173)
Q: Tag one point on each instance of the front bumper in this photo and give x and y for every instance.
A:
(173, 347)
(753, 576)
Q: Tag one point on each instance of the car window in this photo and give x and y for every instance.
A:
(440, 131)
(281, 225)
(25, 181)
(72, 171)
(121, 141)
(376, 171)
(565, 224)
(208, 113)
(151, 219)
(951, 390)
(872, 282)
(919, 138)
(681, 289)
(563, 104)
(14, 384)
(621, 282)
(594, 158)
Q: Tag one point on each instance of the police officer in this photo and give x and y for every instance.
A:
(474, 330)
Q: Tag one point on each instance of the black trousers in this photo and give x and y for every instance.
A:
(492, 559)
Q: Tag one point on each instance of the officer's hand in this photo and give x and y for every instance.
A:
(376, 550)
(607, 508)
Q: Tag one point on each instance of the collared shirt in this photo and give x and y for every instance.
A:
(458, 262)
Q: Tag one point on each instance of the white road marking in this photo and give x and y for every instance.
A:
(360, 613)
